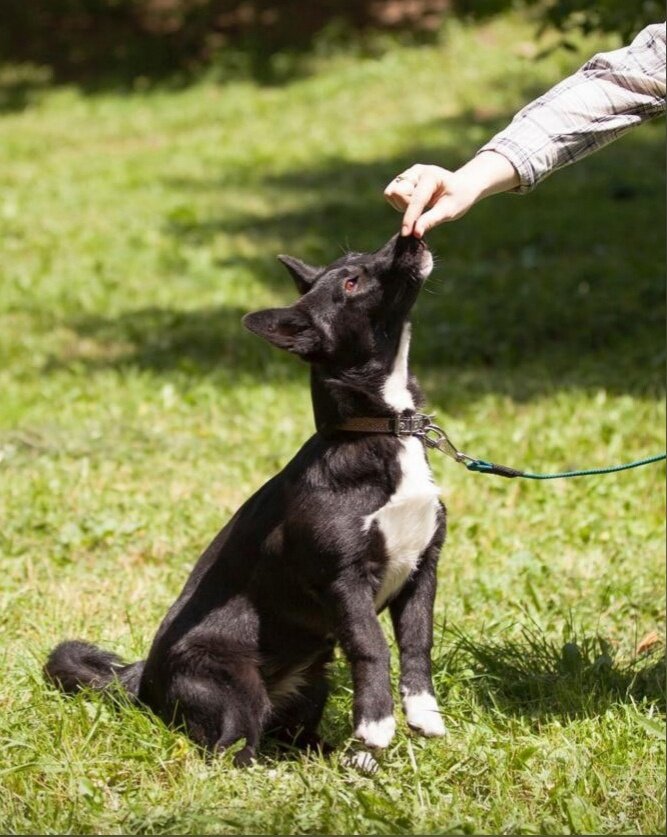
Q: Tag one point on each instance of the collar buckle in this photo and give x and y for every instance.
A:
(409, 425)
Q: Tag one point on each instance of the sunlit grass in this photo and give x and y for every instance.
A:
(136, 415)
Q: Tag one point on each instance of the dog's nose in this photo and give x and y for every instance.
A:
(408, 244)
(400, 246)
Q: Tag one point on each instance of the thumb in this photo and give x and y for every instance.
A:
(437, 214)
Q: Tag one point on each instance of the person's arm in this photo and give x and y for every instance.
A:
(610, 94)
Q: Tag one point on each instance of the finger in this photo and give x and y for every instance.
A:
(402, 188)
(439, 213)
(400, 196)
(399, 204)
(413, 173)
(421, 198)
(394, 197)
(426, 222)
(401, 185)
(407, 178)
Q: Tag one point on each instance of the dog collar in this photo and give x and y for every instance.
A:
(414, 425)
(417, 424)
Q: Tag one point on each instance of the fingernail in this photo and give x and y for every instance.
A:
(405, 230)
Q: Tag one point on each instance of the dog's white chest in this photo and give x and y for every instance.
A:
(407, 521)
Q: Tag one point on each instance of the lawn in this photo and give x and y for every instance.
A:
(137, 414)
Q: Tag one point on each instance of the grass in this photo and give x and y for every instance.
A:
(136, 415)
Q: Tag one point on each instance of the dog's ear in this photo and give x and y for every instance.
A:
(286, 328)
(302, 273)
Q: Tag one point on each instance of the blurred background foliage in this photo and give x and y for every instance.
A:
(124, 41)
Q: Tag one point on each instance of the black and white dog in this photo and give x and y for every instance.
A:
(351, 525)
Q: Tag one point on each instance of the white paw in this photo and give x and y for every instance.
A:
(376, 733)
(423, 715)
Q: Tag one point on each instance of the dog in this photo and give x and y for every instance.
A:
(352, 525)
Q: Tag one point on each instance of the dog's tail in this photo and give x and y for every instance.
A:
(74, 665)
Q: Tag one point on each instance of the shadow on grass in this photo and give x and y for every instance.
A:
(572, 273)
(535, 676)
(560, 289)
(169, 339)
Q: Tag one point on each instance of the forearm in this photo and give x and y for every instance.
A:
(488, 174)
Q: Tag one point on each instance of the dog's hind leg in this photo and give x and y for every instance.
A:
(217, 711)
(295, 722)
(235, 727)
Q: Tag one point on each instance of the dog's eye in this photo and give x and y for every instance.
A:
(350, 284)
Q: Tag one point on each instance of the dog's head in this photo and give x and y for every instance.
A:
(349, 311)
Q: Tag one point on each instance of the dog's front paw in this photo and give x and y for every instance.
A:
(376, 733)
(423, 715)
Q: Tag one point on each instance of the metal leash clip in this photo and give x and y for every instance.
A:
(435, 437)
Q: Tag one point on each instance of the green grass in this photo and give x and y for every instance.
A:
(136, 415)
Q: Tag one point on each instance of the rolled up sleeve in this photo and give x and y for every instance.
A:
(609, 95)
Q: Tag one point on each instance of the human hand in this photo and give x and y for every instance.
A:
(443, 193)
(447, 195)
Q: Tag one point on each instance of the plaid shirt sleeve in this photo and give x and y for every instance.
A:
(610, 94)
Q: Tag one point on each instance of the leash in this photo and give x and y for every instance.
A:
(481, 466)
(434, 437)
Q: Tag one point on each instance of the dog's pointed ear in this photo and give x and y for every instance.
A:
(286, 328)
(302, 273)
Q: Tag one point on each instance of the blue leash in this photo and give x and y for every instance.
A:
(481, 466)
(435, 437)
